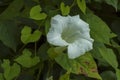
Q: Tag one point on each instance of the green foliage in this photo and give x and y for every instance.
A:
(35, 13)
(10, 71)
(82, 65)
(98, 28)
(26, 59)
(82, 5)
(118, 74)
(64, 9)
(9, 34)
(25, 53)
(27, 37)
(114, 3)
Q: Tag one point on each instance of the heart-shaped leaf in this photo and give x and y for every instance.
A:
(82, 5)
(10, 72)
(26, 60)
(35, 13)
(27, 37)
(64, 9)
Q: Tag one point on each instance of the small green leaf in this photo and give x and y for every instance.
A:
(64, 9)
(27, 37)
(35, 13)
(10, 72)
(26, 60)
(118, 74)
(82, 5)
(82, 65)
(114, 3)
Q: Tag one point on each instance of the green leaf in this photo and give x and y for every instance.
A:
(27, 37)
(47, 25)
(9, 34)
(105, 75)
(13, 10)
(82, 65)
(26, 59)
(64, 9)
(109, 56)
(114, 3)
(1, 76)
(118, 74)
(66, 76)
(82, 5)
(97, 55)
(10, 71)
(99, 29)
(35, 13)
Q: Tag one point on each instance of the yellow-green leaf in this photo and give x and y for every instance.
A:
(35, 13)
(64, 9)
(82, 5)
(27, 36)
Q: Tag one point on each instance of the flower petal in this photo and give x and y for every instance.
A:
(79, 48)
(58, 23)
(53, 37)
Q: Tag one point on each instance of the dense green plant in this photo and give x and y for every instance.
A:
(25, 53)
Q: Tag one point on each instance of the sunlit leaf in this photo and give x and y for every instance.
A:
(82, 5)
(10, 71)
(36, 14)
(64, 9)
(26, 59)
(27, 36)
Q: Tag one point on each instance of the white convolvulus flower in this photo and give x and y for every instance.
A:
(72, 32)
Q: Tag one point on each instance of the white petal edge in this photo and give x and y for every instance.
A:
(54, 38)
(59, 23)
(79, 48)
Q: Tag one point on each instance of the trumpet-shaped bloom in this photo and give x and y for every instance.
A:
(72, 32)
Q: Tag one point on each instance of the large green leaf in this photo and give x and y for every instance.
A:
(13, 10)
(109, 56)
(114, 3)
(64, 9)
(10, 71)
(36, 14)
(118, 74)
(82, 65)
(82, 5)
(27, 36)
(99, 29)
(9, 34)
(26, 59)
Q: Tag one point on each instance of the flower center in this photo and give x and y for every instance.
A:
(70, 34)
